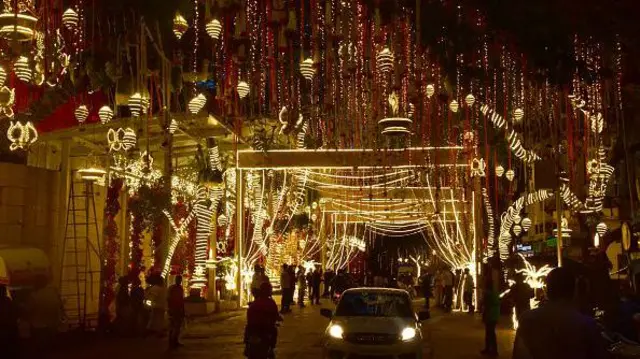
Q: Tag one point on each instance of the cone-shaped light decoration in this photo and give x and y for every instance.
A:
(499, 171)
(517, 229)
(306, 69)
(22, 69)
(601, 228)
(105, 114)
(197, 103)
(214, 29)
(81, 113)
(70, 19)
(470, 100)
(384, 60)
(129, 139)
(173, 126)
(430, 90)
(243, 89)
(526, 224)
(518, 114)
(180, 25)
(454, 106)
(136, 104)
(510, 174)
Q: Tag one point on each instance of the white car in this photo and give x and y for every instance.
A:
(374, 323)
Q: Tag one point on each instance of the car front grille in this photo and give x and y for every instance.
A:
(371, 338)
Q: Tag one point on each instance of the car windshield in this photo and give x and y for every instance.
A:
(374, 304)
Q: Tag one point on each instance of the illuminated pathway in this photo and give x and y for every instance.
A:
(456, 336)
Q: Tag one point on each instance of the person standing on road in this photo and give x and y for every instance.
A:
(139, 316)
(427, 291)
(258, 278)
(9, 336)
(490, 316)
(328, 279)
(302, 286)
(468, 290)
(294, 280)
(156, 299)
(447, 282)
(316, 279)
(175, 302)
(521, 294)
(285, 285)
(557, 330)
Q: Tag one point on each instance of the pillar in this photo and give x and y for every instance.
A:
(239, 230)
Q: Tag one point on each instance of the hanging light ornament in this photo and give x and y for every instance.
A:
(499, 171)
(173, 126)
(129, 139)
(222, 220)
(518, 114)
(70, 19)
(81, 113)
(384, 60)
(105, 114)
(16, 23)
(470, 100)
(180, 25)
(454, 106)
(197, 103)
(517, 219)
(601, 228)
(138, 104)
(430, 90)
(22, 69)
(306, 69)
(517, 229)
(21, 136)
(243, 89)
(214, 29)
(510, 174)
(526, 224)
(597, 123)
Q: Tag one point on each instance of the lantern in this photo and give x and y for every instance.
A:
(129, 139)
(81, 113)
(243, 89)
(454, 106)
(601, 228)
(526, 224)
(384, 60)
(70, 19)
(517, 229)
(499, 171)
(510, 174)
(173, 126)
(180, 25)
(138, 104)
(518, 114)
(430, 90)
(306, 69)
(22, 69)
(197, 103)
(470, 100)
(214, 28)
(105, 114)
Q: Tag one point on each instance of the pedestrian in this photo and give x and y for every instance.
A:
(438, 289)
(44, 310)
(490, 316)
(328, 279)
(426, 287)
(294, 280)
(122, 322)
(258, 278)
(156, 300)
(285, 286)
(447, 282)
(557, 330)
(9, 337)
(302, 286)
(139, 316)
(468, 286)
(521, 293)
(316, 280)
(175, 304)
(261, 333)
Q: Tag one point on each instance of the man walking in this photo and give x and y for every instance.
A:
(447, 281)
(285, 286)
(468, 291)
(316, 279)
(175, 302)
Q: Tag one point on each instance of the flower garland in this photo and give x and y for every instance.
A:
(137, 227)
(111, 245)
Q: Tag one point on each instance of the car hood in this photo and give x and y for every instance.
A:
(382, 325)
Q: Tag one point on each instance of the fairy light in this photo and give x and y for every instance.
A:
(518, 114)
(92, 174)
(526, 224)
(478, 167)
(214, 158)
(197, 103)
(491, 221)
(569, 198)
(204, 208)
(137, 104)
(512, 137)
(597, 123)
(81, 113)
(7, 100)
(21, 136)
(214, 29)
(3, 75)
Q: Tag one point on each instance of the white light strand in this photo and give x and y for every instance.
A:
(512, 137)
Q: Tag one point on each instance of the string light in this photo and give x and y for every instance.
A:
(197, 103)
(180, 25)
(512, 137)
(243, 89)
(21, 136)
(384, 60)
(22, 69)
(491, 221)
(17, 25)
(214, 29)
(81, 113)
(105, 114)
(306, 69)
(70, 19)
(222, 220)
(478, 167)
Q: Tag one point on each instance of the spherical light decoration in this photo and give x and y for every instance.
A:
(306, 69)
(518, 114)
(105, 114)
(81, 113)
(222, 220)
(70, 19)
(517, 219)
(430, 90)
(3, 75)
(470, 100)
(384, 60)
(214, 29)
(243, 89)
(526, 224)
(197, 104)
(499, 171)
(129, 139)
(22, 69)
(601, 228)
(597, 123)
(180, 25)
(517, 229)
(173, 126)
(510, 174)
(454, 106)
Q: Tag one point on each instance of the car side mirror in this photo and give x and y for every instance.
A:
(327, 313)
(422, 316)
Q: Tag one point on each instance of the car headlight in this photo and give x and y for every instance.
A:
(336, 331)
(408, 334)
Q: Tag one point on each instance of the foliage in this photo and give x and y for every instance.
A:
(150, 202)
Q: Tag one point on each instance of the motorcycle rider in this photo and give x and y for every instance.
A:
(261, 332)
